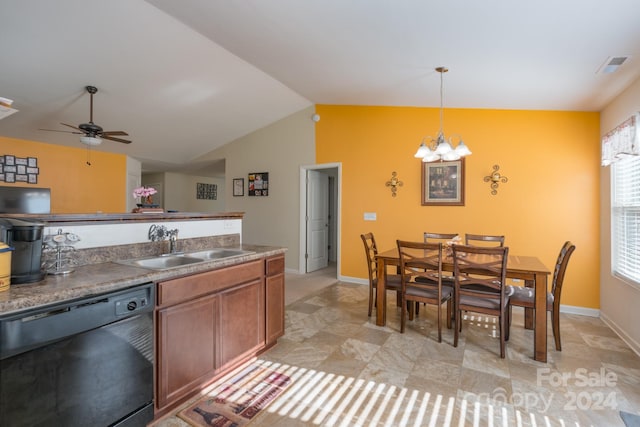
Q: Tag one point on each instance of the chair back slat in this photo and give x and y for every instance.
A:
(419, 259)
(471, 239)
(371, 250)
(479, 270)
(437, 237)
(561, 268)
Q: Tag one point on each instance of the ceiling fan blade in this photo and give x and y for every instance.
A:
(115, 132)
(74, 127)
(65, 131)
(110, 138)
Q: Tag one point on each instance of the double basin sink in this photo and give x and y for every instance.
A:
(167, 261)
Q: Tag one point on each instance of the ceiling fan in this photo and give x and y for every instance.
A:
(92, 134)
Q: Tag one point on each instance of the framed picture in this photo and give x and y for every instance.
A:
(206, 191)
(259, 184)
(443, 183)
(238, 187)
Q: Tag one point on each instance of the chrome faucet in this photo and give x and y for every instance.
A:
(160, 232)
(173, 241)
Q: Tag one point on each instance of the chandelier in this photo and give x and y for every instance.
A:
(441, 148)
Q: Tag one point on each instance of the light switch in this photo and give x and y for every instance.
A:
(369, 216)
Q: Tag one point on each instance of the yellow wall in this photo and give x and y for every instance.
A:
(75, 186)
(551, 159)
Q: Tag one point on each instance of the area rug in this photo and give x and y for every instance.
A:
(235, 401)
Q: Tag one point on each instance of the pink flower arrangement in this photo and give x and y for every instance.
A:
(144, 192)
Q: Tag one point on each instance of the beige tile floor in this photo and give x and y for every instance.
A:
(350, 372)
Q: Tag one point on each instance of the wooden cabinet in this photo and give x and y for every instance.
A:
(241, 321)
(186, 347)
(199, 320)
(274, 286)
(208, 323)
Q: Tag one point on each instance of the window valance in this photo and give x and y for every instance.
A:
(621, 142)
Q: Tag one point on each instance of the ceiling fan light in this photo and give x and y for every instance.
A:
(90, 140)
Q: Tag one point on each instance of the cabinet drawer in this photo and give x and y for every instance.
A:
(275, 265)
(185, 288)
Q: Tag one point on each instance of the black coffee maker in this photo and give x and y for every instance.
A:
(26, 237)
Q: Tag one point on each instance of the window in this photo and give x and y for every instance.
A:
(625, 218)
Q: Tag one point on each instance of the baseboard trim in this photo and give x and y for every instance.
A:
(349, 279)
(634, 345)
(582, 311)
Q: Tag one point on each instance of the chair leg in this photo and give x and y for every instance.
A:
(410, 305)
(403, 314)
(440, 322)
(449, 304)
(370, 299)
(502, 322)
(508, 323)
(455, 327)
(555, 320)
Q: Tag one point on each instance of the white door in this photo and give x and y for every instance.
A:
(317, 253)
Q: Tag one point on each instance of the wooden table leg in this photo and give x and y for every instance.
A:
(381, 309)
(528, 312)
(540, 329)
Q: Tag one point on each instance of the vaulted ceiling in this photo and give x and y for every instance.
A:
(184, 77)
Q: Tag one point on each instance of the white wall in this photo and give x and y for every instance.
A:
(177, 192)
(279, 149)
(619, 300)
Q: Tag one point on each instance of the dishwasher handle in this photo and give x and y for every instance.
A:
(36, 328)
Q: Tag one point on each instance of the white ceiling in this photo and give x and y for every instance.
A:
(184, 77)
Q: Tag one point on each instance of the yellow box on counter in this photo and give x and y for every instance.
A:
(5, 266)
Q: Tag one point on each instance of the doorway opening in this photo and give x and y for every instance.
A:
(320, 217)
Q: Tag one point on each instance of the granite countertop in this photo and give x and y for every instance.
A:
(95, 279)
(101, 218)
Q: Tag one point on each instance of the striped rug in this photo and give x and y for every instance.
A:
(236, 400)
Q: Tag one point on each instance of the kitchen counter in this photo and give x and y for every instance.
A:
(62, 219)
(95, 279)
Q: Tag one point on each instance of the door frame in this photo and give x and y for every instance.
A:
(303, 212)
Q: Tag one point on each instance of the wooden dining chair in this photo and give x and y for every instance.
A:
(483, 239)
(479, 277)
(392, 281)
(418, 259)
(525, 297)
(430, 237)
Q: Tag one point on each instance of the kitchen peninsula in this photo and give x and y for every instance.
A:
(209, 317)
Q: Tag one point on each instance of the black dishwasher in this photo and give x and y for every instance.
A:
(83, 363)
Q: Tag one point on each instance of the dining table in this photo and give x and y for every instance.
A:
(529, 269)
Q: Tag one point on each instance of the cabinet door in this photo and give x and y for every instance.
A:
(186, 347)
(275, 308)
(241, 321)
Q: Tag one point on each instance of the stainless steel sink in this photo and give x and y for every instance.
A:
(164, 262)
(219, 253)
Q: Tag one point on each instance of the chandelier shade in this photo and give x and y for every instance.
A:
(441, 148)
